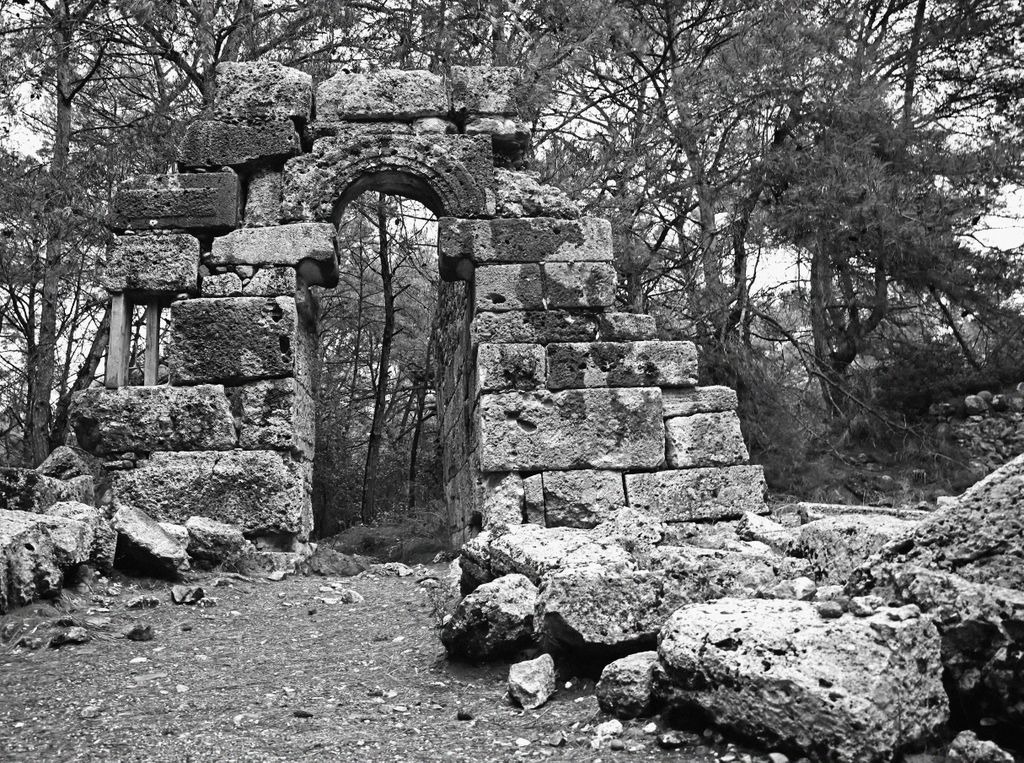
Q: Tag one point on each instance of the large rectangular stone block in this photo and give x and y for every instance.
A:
(533, 326)
(500, 499)
(275, 414)
(207, 201)
(509, 287)
(265, 492)
(626, 327)
(579, 284)
(145, 419)
(530, 239)
(688, 495)
(509, 366)
(486, 89)
(237, 339)
(209, 143)
(261, 91)
(384, 95)
(152, 263)
(705, 439)
(686, 402)
(621, 364)
(576, 429)
(581, 498)
(275, 245)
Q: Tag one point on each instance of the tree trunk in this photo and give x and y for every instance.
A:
(383, 375)
(84, 378)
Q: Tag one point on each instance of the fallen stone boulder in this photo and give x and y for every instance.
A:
(626, 688)
(104, 538)
(847, 689)
(216, 543)
(532, 682)
(142, 544)
(28, 560)
(29, 490)
(765, 530)
(836, 546)
(493, 621)
(967, 748)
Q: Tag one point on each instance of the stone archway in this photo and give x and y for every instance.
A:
(553, 408)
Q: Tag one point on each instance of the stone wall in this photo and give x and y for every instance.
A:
(554, 408)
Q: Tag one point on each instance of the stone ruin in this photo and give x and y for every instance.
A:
(602, 501)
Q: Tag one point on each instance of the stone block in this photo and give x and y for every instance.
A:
(626, 327)
(847, 689)
(486, 89)
(626, 687)
(262, 91)
(576, 429)
(103, 542)
(512, 241)
(237, 339)
(688, 495)
(494, 621)
(500, 499)
(434, 126)
(521, 194)
(533, 326)
(145, 546)
(277, 414)
(28, 564)
(272, 282)
(221, 285)
(509, 287)
(686, 402)
(152, 263)
(621, 364)
(29, 491)
(579, 284)
(533, 499)
(582, 498)
(835, 546)
(510, 138)
(384, 95)
(308, 247)
(264, 492)
(204, 201)
(509, 366)
(705, 439)
(145, 419)
(263, 199)
(214, 144)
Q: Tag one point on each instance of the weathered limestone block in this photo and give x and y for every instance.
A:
(509, 287)
(705, 439)
(310, 247)
(143, 544)
(621, 364)
(103, 542)
(434, 126)
(534, 551)
(500, 499)
(686, 495)
(384, 95)
(510, 366)
(836, 546)
(533, 499)
(150, 263)
(575, 429)
(263, 199)
(687, 402)
(627, 685)
(208, 200)
(452, 175)
(486, 89)
(980, 536)
(520, 194)
(581, 498)
(28, 566)
(272, 282)
(626, 327)
(493, 621)
(534, 326)
(265, 492)
(144, 419)
(262, 91)
(515, 241)
(179, 533)
(275, 414)
(210, 143)
(764, 530)
(601, 612)
(216, 542)
(637, 532)
(579, 284)
(692, 574)
(221, 285)
(848, 689)
(237, 339)
(29, 491)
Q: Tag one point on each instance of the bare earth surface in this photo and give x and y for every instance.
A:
(275, 672)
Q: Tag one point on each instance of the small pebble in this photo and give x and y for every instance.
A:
(139, 632)
(617, 744)
(463, 715)
(830, 610)
(302, 714)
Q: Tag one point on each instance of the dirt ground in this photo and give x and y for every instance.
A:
(282, 671)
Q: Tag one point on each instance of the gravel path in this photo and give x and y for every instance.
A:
(279, 671)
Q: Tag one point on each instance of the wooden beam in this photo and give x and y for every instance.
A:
(120, 337)
(152, 360)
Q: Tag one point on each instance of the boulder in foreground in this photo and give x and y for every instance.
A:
(495, 620)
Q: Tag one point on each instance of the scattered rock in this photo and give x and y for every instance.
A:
(836, 546)
(181, 594)
(142, 543)
(104, 537)
(532, 682)
(495, 620)
(801, 588)
(329, 561)
(73, 635)
(830, 610)
(216, 543)
(139, 632)
(612, 728)
(142, 602)
(626, 687)
(967, 748)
